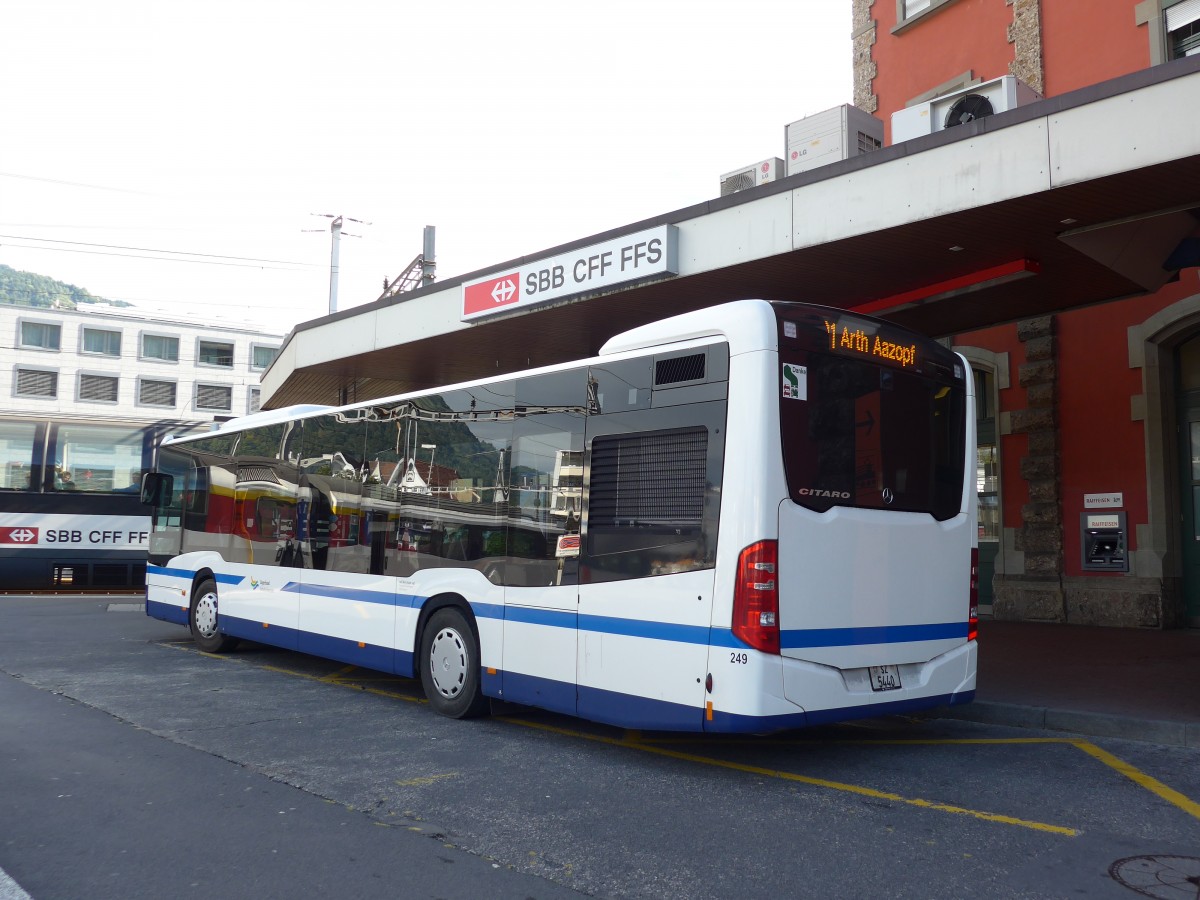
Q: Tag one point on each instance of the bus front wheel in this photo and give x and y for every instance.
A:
(202, 620)
(450, 666)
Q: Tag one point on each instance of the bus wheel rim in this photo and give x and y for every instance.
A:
(206, 615)
(448, 662)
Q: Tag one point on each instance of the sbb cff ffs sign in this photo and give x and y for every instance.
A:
(623, 260)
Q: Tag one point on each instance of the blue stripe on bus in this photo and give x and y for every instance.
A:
(879, 634)
(630, 711)
(256, 630)
(555, 618)
(189, 574)
(792, 639)
(658, 631)
(384, 598)
(548, 693)
(369, 656)
(168, 612)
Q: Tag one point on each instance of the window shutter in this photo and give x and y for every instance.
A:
(33, 383)
(100, 388)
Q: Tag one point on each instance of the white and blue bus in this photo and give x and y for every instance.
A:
(754, 517)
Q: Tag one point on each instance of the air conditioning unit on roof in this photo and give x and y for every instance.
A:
(961, 106)
(751, 176)
(830, 136)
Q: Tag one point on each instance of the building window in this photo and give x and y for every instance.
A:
(104, 343)
(254, 404)
(40, 335)
(213, 353)
(158, 346)
(1183, 28)
(37, 383)
(156, 393)
(907, 11)
(262, 357)
(98, 388)
(214, 396)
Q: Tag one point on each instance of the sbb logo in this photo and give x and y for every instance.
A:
(21, 534)
(504, 290)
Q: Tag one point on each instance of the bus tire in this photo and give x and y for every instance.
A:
(449, 665)
(203, 622)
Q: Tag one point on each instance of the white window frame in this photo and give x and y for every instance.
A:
(83, 332)
(1176, 17)
(255, 347)
(216, 343)
(138, 401)
(910, 11)
(208, 384)
(79, 398)
(157, 359)
(16, 383)
(45, 323)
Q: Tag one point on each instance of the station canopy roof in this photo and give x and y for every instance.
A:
(1078, 199)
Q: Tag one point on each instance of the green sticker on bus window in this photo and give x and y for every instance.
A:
(795, 382)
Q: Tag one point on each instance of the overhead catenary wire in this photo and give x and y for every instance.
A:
(166, 255)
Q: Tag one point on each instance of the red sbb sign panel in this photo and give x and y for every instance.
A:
(21, 534)
(504, 290)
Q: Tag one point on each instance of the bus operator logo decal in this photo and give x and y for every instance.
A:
(19, 535)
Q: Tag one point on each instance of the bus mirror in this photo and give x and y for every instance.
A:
(155, 485)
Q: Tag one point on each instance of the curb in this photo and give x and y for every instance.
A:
(1131, 728)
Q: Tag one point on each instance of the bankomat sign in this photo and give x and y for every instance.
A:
(623, 260)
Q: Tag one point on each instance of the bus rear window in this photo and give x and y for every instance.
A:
(858, 433)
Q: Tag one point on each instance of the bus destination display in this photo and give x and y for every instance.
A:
(855, 340)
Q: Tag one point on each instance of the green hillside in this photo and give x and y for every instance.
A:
(27, 289)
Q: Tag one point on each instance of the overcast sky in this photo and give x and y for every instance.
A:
(211, 132)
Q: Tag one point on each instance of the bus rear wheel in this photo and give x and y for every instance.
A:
(202, 620)
(449, 665)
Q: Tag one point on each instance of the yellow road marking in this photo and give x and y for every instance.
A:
(1172, 796)
(428, 779)
(335, 677)
(803, 779)
(325, 679)
(637, 741)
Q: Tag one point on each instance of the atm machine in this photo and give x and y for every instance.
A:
(1103, 541)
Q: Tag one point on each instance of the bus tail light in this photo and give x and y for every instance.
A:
(756, 597)
(973, 607)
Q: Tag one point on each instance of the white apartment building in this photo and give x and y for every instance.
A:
(107, 362)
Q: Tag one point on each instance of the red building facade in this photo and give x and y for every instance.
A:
(1090, 416)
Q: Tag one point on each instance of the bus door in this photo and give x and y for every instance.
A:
(347, 612)
(654, 465)
(263, 520)
(544, 497)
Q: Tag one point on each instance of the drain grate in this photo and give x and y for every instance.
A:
(1166, 877)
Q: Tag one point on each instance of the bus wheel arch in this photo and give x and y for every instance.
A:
(448, 658)
(203, 616)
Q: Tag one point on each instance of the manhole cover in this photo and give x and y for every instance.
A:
(1168, 877)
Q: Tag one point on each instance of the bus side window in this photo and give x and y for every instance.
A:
(653, 493)
(546, 477)
(155, 487)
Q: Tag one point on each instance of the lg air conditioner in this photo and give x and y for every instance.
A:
(751, 176)
(962, 106)
(830, 136)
